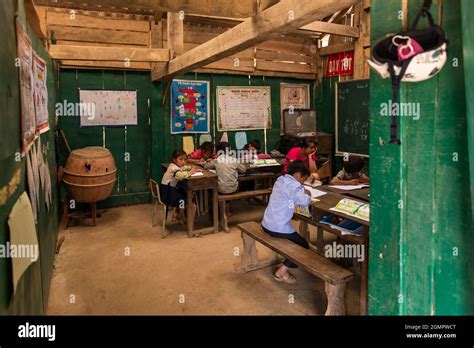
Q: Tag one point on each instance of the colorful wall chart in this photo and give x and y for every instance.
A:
(241, 108)
(107, 107)
(40, 93)
(189, 106)
(28, 118)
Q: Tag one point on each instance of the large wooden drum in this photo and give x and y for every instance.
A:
(90, 174)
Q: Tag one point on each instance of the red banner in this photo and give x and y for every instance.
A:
(340, 64)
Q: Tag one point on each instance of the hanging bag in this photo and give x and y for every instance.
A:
(413, 55)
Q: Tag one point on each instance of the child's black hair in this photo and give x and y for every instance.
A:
(298, 167)
(354, 164)
(207, 147)
(305, 143)
(222, 147)
(256, 144)
(178, 153)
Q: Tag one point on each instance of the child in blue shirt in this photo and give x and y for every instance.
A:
(287, 192)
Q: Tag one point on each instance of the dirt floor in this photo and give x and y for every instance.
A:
(123, 267)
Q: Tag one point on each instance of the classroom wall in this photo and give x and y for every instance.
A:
(131, 186)
(168, 142)
(421, 238)
(32, 292)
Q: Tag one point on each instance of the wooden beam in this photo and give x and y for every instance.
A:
(100, 35)
(92, 64)
(331, 28)
(227, 8)
(175, 31)
(336, 48)
(98, 53)
(285, 16)
(34, 20)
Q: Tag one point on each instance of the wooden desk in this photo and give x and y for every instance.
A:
(196, 183)
(362, 194)
(321, 209)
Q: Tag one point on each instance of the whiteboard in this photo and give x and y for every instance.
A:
(240, 108)
(107, 107)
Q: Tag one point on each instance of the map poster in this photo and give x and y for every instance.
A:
(40, 94)
(189, 111)
(27, 105)
(293, 96)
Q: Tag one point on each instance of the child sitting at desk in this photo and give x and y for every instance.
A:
(173, 189)
(227, 170)
(205, 153)
(287, 192)
(351, 173)
(306, 153)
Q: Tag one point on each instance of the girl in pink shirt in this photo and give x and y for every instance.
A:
(306, 153)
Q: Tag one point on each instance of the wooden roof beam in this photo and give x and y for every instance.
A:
(228, 8)
(331, 28)
(284, 17)
(101, 53)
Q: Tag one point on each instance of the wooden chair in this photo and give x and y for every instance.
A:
(325, 172)
(155, 192)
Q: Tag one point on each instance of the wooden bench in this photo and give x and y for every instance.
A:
(333, 275)
(223, 199)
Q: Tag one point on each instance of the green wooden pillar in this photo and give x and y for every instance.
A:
(421, 236)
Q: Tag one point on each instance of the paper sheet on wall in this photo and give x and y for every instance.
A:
(36, 175)
(203, 138)
(27, 105)
(188, 144)
(31, 184)
(40, 93)
(243, 108)
(22, 237)
(240, 140)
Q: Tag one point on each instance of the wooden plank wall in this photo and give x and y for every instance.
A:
(286, 57)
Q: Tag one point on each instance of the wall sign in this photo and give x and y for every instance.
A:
(189, 106)
(293, 96)
(339, 64)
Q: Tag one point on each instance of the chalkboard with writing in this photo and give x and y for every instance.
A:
(352, 117)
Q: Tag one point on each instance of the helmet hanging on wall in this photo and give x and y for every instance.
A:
(413, 55)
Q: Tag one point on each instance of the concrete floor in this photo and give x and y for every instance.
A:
(172, 276)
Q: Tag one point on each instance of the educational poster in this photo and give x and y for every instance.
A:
(108, 108)
(40, 94)
(293, 96)
(189, 106)
(27, 106)
(240, 108)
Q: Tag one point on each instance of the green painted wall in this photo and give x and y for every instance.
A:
(169, 142)
(32, 293)
(421, 229)
(132, 176)
(468, 47)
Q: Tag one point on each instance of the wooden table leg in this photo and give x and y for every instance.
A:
(94, 212)
(215, 210)
(66, 212)
(206, 201)
(189, 204)
(319, 238)
(303, 229)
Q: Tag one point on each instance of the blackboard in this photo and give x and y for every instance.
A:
(352, 117)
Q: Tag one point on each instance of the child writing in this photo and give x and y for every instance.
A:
(287, 192)
(351, 173)
(306, 152)
(205, 153)
(173, 189)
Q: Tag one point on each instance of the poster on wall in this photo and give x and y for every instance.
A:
(27, 105)
(241, 108)
(293, 96)
(99, 107)
(189, 106)
(40, 93)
